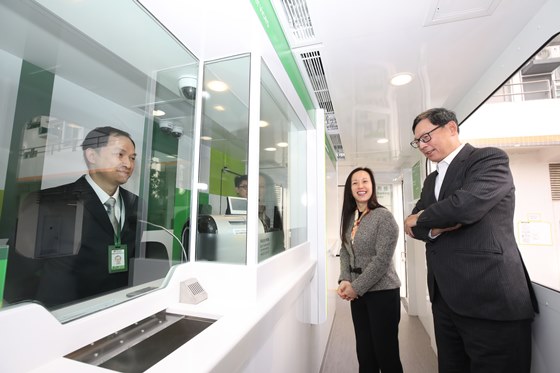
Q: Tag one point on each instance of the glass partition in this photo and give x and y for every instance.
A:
(224, 152)
(283, 172)
(91, 110)
(223, 188)
(521, 117)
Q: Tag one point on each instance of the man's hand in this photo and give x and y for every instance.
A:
(410, 222)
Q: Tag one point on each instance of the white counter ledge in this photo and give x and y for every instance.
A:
(245, 302)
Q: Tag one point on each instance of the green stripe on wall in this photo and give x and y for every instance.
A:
(265, 12)
(33, 99)
(330, 150)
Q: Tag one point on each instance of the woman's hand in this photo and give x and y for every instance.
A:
(346, 291)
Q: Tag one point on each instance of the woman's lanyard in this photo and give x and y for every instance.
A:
(357, 219)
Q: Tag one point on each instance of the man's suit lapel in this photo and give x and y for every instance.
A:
(93, 205)
(131, 207)
(430, 185)
(455, 169)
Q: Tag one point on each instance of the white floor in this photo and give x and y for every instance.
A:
(417, 355)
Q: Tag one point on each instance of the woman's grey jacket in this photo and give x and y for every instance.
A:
(371, 254)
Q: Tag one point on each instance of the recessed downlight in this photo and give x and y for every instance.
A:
(219, 108)
(217, 86)
(263, 123)
(271, 149)
(282, 144)
(158, 113)
(401, 79)
(382, 141)
(206, 138)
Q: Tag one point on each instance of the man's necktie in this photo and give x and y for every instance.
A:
(110, 204)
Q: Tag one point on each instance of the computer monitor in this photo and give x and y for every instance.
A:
(237, 205)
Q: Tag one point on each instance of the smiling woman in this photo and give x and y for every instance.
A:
(368, 278)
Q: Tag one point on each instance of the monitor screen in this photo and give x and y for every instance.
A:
(237, 205)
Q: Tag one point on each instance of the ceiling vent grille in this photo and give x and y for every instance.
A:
(314, 68)
(298, 19)
(299, 23)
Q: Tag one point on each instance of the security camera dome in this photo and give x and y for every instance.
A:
(166, 126)
(187, 86)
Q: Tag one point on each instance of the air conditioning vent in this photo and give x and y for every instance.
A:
(314, 68)
(554, 171)
(302, 33)
(299, 20)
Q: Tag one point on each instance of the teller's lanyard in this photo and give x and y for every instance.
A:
(357, 219)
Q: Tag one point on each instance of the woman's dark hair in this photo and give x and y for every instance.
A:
(349, 203)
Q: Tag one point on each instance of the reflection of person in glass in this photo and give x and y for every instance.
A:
(108, 223)
(241, 186)
(269, 213)
(240, 189)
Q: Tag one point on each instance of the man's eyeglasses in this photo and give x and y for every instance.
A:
(425, 138)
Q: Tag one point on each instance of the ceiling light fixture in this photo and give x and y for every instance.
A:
(158, 113)
(271, 149)
(401, 79)
(382, 141)
(263, 123)
(206, 138)
(282, 144)
(219, 108)
(217, 86)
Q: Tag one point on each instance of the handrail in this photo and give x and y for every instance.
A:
(551, 90)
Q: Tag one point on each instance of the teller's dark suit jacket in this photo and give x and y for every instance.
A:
(477, 268)
(69, 278)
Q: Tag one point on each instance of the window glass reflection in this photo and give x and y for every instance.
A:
(520, 118)
(88, 118)
(222, 218)
(283, 173)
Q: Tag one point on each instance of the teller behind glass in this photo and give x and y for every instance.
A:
(241, 185)
(108, 217)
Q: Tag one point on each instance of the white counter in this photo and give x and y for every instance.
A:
(246, 302)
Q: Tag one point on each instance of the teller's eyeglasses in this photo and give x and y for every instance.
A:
(425, 138)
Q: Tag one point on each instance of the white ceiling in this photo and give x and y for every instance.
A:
(447, 45)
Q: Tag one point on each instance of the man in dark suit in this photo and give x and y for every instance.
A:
(482, 299)
(108, 220)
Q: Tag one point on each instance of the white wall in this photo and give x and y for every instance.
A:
(534, 203)
(536, 223)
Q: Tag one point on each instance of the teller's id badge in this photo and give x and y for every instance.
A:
(118, 259)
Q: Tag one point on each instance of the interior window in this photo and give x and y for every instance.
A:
(84, 115)
(521, 117)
